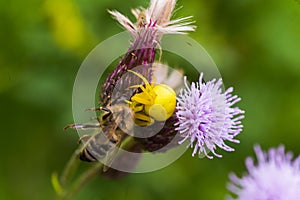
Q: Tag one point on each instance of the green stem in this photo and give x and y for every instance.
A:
(70, 168)
(60, 184)
(86, 177)
(65, 192)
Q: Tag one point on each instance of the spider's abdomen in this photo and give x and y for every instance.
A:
(164, 103)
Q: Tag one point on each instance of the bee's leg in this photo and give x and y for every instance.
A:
(84, 139)
(82, 126)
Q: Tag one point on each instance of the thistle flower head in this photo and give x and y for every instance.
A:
(206, 117)
(156, 16)
(151, 24)
(276, 176)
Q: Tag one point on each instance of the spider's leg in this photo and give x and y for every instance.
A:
(143, 98)
(143, 119)
(141, 77)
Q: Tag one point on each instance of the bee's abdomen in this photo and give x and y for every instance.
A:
(86, 156)
(96, 148)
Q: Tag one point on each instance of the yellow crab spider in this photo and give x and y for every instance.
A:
(156, 102)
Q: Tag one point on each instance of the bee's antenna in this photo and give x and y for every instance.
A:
(98, 109)
(92, 109)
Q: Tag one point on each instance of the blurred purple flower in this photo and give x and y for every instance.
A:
(205, 116)
(275, 177)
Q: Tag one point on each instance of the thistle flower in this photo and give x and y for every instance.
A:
(157, 16)
(206, 118)
(151, 24)
(276, 176)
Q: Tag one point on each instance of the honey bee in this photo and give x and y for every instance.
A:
(114, 125)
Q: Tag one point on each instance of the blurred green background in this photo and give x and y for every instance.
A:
(256, 45)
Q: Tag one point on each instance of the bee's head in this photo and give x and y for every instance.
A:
(107, 113)
(105, 109)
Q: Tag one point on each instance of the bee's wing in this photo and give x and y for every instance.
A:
(99, 146)
(110, 157)
(121, 118)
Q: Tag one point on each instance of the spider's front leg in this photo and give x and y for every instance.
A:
(142, 119)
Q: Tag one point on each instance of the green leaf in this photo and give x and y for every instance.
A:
(55, 183)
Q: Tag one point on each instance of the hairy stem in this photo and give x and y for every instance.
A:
(70, 168)
(85, 178)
